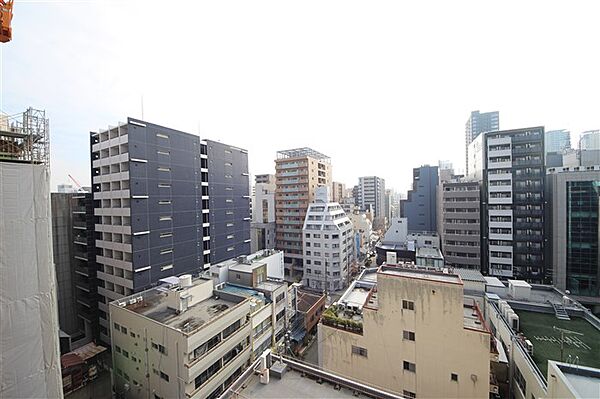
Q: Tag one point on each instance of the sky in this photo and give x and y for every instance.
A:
(380, 87)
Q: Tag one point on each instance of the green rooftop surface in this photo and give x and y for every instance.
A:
(538, 328)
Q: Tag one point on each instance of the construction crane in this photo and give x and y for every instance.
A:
(79, 188)
(6, 7)
(564, 331)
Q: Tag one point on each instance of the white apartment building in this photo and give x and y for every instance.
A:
(327, 244)
(186, 339)
(262, 228)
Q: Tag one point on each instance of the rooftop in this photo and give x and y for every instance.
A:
(420, 274)
(584, 381)
(538, 328)
(155, 308)
(470, 275)
(472, 318)
(299, 380)
(302, 152)
(306, 300)
(429, 253)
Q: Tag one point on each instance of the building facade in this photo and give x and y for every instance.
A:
(420, 207)
(74, 251)
(476, 124)
(511, 166)
(338, 191)
(188, 338)
(388, 334)
(298, 174)
(29, 344)
(461, 223)
(557, 140)
(328, 244)
(371, 195)
(589, 140)
(158, 193)
(262, 229)
(573, 196)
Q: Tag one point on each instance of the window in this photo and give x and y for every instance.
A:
(165, 235)
(166, 251)
(409, 394)
(357, 350)
(164, 185)
(132, 334)
(231, 329)
(166, 267)
(124, 329)
(164, 376)
(117, 326)
(159, 348)
(410, 305)
(125, 353)
(165, 218)
(164, 202)
(163, 169)
(162, 136)
(453, 377)
(159, 152)
(117, 349)
(408, 335)
(408, 366)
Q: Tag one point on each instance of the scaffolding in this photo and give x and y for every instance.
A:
(25, 137)
(302, 152)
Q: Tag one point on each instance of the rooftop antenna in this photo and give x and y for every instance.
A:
(564, 331)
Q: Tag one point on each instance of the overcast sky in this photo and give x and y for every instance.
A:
(381, 87)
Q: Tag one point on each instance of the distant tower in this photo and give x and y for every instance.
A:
(477, 124)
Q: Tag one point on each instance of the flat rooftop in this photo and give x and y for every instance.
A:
(538, 328)
(292, 385)
(429, 253)
(420, 274)
(154, 306)
(470, 275)
(585, 381)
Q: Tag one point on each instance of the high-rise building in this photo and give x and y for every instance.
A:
(460, 221)
(420, 207)
(338, 191)
(557, 140)
(166, 203)
(29, 343)
(590, 140)
(510, 164)
(74, 257)
(573, 196)
(298, 173)
(328, 244)
(477, 124)
(371, 195)
(262, 233)
(229, 193)
(408, 331)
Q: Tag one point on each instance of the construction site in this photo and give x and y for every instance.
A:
(24, 137)
(29, 346)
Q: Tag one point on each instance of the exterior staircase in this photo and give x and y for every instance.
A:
(559, 311)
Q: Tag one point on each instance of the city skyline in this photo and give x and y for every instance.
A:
(230, 86)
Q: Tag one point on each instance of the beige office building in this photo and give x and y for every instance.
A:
(298, 173)
(408, 331)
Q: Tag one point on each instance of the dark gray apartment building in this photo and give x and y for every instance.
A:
(461, 223)
(229, 193)
(510, 164)
(155, 215)
(478, 123)
(420, 206)
(74, 252)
